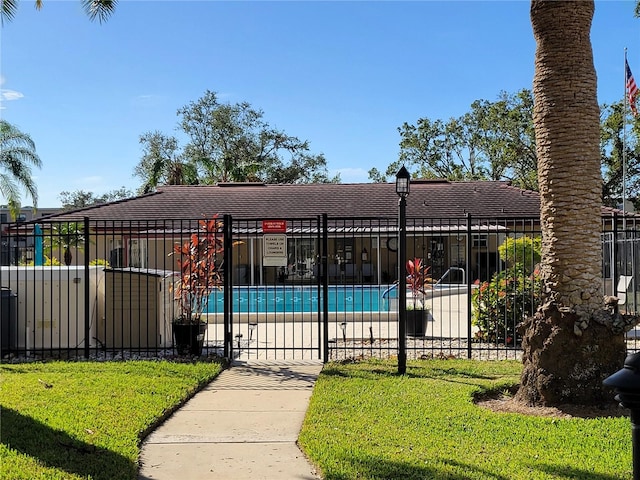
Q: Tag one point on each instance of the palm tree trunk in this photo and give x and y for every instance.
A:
(571, 344)
(68, 257)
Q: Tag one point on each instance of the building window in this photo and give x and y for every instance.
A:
(480, 240)
(137, 253)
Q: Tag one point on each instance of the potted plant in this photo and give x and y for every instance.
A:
(199, 276)
(418, 282)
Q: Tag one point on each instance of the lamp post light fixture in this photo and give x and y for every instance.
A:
(343, 326)
(403, 182)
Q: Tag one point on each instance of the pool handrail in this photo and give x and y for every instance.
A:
(393, 286)
(450, 269)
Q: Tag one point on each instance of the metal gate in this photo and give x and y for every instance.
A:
(309, 289)
(276, 307)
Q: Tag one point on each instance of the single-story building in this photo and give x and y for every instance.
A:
(448, 224)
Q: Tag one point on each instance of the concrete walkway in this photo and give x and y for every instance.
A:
(243, 425)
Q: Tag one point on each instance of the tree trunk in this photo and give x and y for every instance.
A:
(67, 256)
(572, 343)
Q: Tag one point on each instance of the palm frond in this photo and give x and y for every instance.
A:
(9, 190)
(100, 9)
(17, 155)
(8, 10)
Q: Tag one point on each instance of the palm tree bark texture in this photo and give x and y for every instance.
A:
(575, 340)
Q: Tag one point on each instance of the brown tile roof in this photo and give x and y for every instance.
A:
(428, 198)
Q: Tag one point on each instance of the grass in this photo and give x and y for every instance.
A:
(81, 420)
(366, 422)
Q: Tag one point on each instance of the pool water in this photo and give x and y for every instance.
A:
(284, 299)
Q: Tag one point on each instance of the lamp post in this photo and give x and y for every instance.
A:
(403, 180)
(626, 383)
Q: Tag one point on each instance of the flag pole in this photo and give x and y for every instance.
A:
(624, 147)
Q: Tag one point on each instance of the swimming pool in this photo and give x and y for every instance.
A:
(288, 298)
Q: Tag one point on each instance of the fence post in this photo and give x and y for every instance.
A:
(87, 289)
(402, 284)
(468, 276)
(614, 254)
(227, 262)
(324, 269)
(319, 284)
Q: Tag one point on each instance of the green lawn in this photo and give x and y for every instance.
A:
(72, 420)
(366, 422)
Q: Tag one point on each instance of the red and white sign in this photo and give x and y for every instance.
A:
(274, 226)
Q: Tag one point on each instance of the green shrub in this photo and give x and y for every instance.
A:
(512, 294)
(99, 262)
(52, 262)
(48, 262)
(524, 251)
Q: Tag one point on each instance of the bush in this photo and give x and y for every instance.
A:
(99, 262)
(511, 295)
(524, 251)
(48, 262)
(52, 262)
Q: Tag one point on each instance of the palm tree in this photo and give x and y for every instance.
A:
(163, 164)
(570, 345)
(66, 236)
(100, 9)
(17, 153)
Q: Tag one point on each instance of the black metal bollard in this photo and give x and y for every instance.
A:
(626, 383)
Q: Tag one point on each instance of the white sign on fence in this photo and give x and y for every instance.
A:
(274, 248)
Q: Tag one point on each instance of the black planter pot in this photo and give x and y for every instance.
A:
(416, 325)
(189, 338)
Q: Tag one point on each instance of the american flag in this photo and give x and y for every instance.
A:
(632, 88)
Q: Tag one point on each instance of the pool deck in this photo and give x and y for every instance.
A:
(447, 319)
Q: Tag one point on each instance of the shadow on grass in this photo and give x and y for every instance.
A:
(58, 449)
(381, 469)
(367, 371)
(562, 471)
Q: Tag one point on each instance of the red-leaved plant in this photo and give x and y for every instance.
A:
(418, 281)
(199, 271)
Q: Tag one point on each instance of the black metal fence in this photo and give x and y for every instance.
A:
(312, 288)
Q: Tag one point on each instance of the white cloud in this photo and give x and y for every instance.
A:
(7, 95)
(10, 94)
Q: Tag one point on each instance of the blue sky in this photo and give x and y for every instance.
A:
(343, 75)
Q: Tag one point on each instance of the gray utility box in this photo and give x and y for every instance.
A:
(51, 305)
(139, 308)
